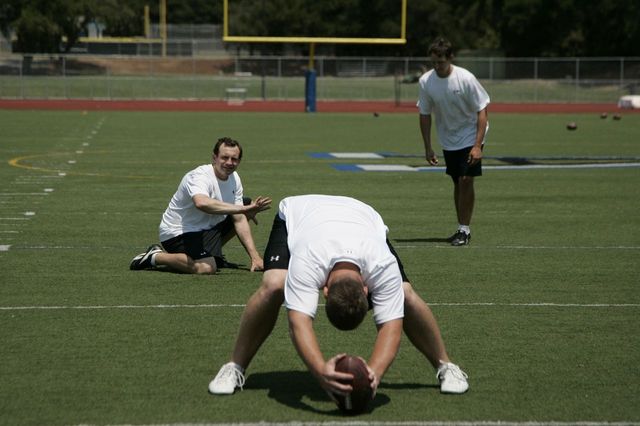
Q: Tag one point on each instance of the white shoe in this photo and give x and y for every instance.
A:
(452, 378)
(227, 380)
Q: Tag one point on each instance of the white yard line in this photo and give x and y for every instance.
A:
(225, 306)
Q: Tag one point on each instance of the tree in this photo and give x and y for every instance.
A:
(425, 21)
(373, 19)
(9, 11)
(194, 11)
(45, 26)
(538, 27)
(121, 18)
(516, 27)
(37, 32)
(477, 22)
(612, 31)
(570, 28)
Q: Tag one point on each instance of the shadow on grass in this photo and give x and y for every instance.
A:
(238, 267)
(407, 386)
(423, 240)
(292, 388)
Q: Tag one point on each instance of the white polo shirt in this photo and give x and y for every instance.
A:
(324, 230)
(455, 101)
(182, 216)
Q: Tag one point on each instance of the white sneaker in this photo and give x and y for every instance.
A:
(452, 378)
(227, 380)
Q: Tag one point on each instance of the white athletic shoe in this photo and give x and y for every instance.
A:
(227, 380)
(452, 378)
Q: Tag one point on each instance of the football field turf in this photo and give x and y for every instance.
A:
(542, 310)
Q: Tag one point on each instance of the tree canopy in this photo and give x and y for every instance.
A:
(515, 27)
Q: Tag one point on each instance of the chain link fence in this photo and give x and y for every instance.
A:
(149, 76)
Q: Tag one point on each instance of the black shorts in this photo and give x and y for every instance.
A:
(201, 244)
(276, 255)
(458, 163)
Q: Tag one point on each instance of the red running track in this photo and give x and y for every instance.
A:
(284, 106)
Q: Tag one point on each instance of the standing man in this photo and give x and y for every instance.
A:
(336, 246)
(459, 104)
(206, 211)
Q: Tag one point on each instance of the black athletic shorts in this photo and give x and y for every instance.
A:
(458, 163)
(201, 244)
(276, 255)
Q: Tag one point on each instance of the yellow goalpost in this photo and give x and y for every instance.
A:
(310, 77)
(297, 39)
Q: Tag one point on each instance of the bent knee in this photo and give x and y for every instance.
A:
(273, 283)
(204, 268)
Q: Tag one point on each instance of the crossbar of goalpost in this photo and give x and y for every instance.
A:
(310, 74)
(326, 40)
(344, 40)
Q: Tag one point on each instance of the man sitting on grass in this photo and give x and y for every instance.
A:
(206, 211)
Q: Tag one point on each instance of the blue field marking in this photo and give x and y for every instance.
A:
(348, 155)
(404, 168)
(348, 167)
(511, 162)
(388, 154)
(383, 168)
(320, 155)
(362, 155)
(505, 158)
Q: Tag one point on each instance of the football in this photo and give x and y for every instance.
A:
(358, 400)
(572, 126)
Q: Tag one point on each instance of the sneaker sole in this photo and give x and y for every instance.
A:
(221, 393)
(452, 392)
(461, 243)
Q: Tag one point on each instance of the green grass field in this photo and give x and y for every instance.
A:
(541, 310)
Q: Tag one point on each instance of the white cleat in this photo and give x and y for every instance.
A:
(452, 379)
(227, 380)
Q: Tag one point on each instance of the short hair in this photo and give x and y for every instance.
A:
(346, 304)
(441, 47)
(227, 142)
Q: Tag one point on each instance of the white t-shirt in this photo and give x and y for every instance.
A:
(455, 101)
(324, 230)
(182, 216)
